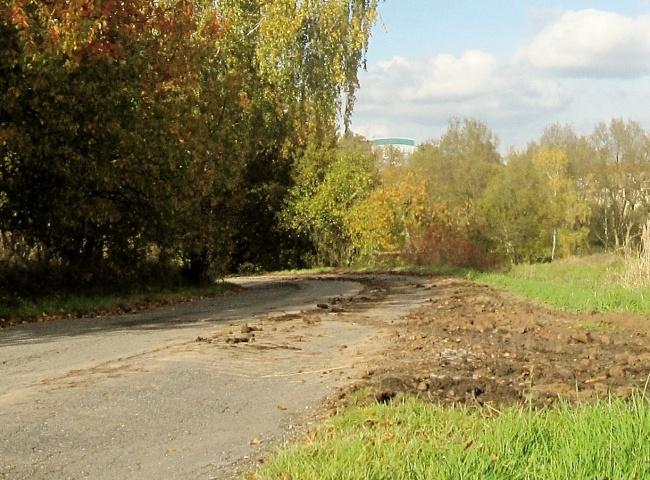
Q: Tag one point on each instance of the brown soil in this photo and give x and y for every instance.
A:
(474, 345)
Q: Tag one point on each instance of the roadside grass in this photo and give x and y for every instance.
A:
(415, 440)
(74, 305)
(576, 284)
(301, 271)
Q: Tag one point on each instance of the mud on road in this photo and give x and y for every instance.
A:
(473, 345)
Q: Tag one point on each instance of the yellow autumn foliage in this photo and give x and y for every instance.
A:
(390, 217)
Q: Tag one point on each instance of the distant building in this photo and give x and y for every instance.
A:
(394, 150)
(405, 145)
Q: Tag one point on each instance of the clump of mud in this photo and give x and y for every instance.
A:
(473, 345)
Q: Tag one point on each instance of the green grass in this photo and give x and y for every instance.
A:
(576, 284)
(414, 440)
(85, 304)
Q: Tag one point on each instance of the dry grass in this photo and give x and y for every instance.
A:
(636, 271)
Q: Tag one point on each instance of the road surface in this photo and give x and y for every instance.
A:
(162, 394)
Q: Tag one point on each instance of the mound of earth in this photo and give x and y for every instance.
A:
(472, 344)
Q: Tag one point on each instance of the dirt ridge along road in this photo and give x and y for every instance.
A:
(475, 345)
(191, 391)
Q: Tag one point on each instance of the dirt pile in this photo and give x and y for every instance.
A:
(474, 345)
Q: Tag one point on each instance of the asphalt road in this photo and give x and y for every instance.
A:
(138, 397)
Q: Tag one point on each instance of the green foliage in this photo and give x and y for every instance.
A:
(611, 168)
(202, 136)
(104, 163)
(621, 175)
(319, 209)
(455, 171)
(512, 211)
(564, 195)
(415, 440)
(532, 210)
(459, 165)
(565, 209)
(311, 51)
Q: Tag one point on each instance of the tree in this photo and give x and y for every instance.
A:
(512, 211)
(565, 211)
(148, 130)
(306, 56)
(390, 217)
(319, 208)
(619, 198)
(459, 166)
(101, 130)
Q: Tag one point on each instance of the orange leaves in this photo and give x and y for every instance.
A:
(18, 17)
(53, 33)
(170, 39)
(7, 133)
(244, 101)
(88, 28)
(216, 25)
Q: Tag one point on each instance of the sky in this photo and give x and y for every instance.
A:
(518, 65)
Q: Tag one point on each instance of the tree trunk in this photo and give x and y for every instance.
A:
(198, 269)
(554, 244)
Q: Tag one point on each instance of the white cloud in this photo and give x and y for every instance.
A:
(592, 43)
(374, 130)
(440, 77)
(414, 94)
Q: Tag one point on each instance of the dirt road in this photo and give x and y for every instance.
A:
(193, 391)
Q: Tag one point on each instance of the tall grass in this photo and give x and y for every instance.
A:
(636, 273)
(609, 440)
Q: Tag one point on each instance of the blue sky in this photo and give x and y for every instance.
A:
(517, 65)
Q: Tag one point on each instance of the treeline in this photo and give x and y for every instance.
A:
(143, 139)
(456, 201)
(158, 141)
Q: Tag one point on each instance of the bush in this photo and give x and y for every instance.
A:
(445, 242)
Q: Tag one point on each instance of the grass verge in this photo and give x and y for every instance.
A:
(414, 440)
(576, 284)
(75, 305)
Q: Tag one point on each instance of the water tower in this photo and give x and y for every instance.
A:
(394, 149)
